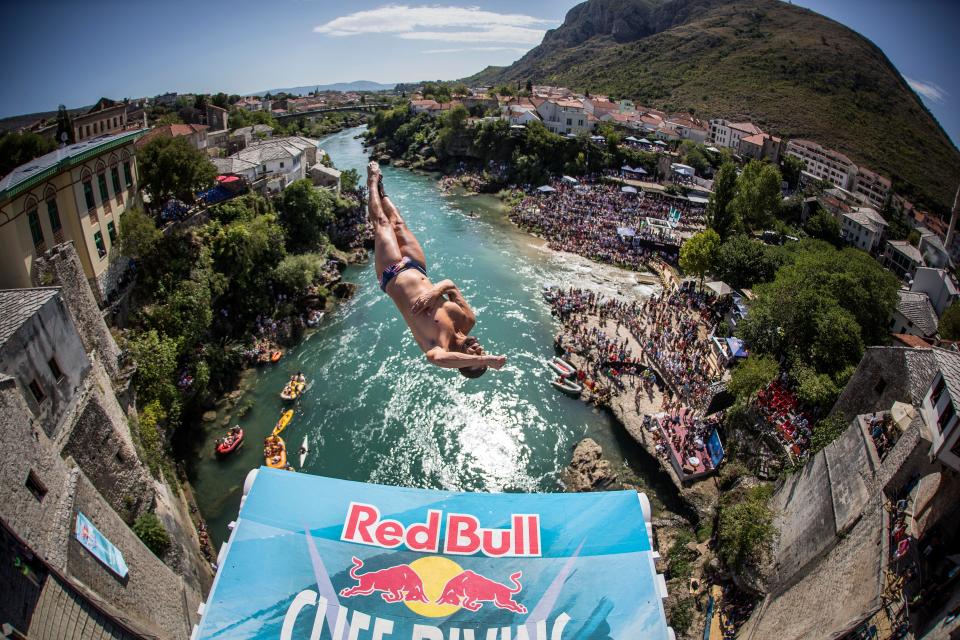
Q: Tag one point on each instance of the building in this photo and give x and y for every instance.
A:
(565, 116)
(939, 286)
(688, 128)
(902, 258)
(217, 118)
(728, 134)
(424, 106)
(761, 146)
(914, 315)
(77, 193)
(520, 115)
(104, 118)
(863, 228)
(824, 164)
(874, 187)
(931, 247)
(272, 164)
(254, 103)
(196, 134)
(600, 106)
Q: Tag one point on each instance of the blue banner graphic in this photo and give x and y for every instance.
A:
(97, 544)
(323, 559)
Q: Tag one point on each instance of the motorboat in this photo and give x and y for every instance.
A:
(561, 367)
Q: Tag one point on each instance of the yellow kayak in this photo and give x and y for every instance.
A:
(283, 422)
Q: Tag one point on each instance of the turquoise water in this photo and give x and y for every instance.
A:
(376, 411)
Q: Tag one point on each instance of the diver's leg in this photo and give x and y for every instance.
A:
(386, 249)
(409, 246)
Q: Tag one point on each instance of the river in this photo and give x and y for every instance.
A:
(375, 411)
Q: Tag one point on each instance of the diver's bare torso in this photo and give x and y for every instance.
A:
(437, 326)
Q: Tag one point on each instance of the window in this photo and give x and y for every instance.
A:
(54, 214)
(102, 181)
(98, 240)
(938, 390)
(115, 178)
(35, 229)
(944, 420)
(281, 164)
(88, 195)
(111, 231)
(37, 391)
(88, 131)
(569, 121)
(114, 122)
(34, 486)
(881, 385)
(55, 369)
(127, 179)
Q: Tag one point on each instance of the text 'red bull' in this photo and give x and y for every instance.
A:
(463, 534)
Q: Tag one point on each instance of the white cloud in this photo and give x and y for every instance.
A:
(464, 49)
(929, 90)
(436, 23)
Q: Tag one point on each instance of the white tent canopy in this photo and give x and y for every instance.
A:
(628, 189)
(546, 189)
(569, 180)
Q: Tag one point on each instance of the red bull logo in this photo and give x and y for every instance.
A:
(463, 534)
(435, 586)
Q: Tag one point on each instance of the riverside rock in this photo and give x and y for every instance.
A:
(588, 471)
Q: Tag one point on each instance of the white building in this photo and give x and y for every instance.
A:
(874, 187)
(914, 315)
(824, 164)
(519, 114)
(939, 286)
(565, 115)
(273, 163)
(939, 409)
(902, 258)
(728, 134)
(863, 228)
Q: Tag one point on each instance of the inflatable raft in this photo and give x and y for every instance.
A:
(275, 452)
(568, 387)
(293, 390)
(561, 367)
(230, 442)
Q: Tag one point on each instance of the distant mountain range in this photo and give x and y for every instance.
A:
(793, 72)
(356, 85)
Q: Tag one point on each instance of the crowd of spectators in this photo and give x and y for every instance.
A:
(882, 432)
(682, 436)
(778, 406)
(585, 219)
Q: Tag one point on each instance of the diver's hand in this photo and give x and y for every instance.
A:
(425, 301)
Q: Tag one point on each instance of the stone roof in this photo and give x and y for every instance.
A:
(949, 364)
(886, 375)
(18, 305)
(275, 149)
(907, 249)
(915, 307)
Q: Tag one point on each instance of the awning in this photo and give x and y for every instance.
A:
(719, 288)
(660, 142)
(569, 180)
(628, 189)
(227, 179)
(311, 556)
(737, 348)
(546, 189)
(631, 139)
(626, 232)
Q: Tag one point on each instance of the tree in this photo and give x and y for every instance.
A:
(790, 167)
(530, 86)
(503, 90)
(699, 253)
(221, 100)
(19, 148)
(758, 195)
(720, 216)
(172, 168)
(152, 532)
(745, 529)
(169, 118)
(200, 102)
(743, 262)
(349, 180)
(138, 234)
(305, 212)
(64, 126)
(949, 326)
(824, 226)
(460, 89)
(751, 375)
(156, 358)
(295, 274)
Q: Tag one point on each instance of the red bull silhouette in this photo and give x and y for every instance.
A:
(398, 583)
(470, 590)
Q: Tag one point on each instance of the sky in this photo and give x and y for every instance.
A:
(133, 48)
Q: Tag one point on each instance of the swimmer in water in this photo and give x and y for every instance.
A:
(438, 315)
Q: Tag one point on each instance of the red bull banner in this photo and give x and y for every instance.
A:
(314, 558)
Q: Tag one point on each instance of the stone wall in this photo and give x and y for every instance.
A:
(60, 266)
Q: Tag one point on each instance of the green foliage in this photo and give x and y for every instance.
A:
(296, 273)
(138, 234)
(751, 375)
(152, 532)
(168, 118)
(243, 252)
(19, 148)
(699, 253)
(745, 529)
(681, 558)
(187, 313)
(949, 327)
(156, 358)
(240, 118)
(681, 616)
(815, 390)
(758, 195)
(304, 213)
(349, 180)
(172, 168)
(246, 207)
(790, 167)
(720, 216)
(743, 262)
(826, 431)
(823, 226)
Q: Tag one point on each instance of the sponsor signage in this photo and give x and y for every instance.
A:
(97, 544)
(315, 558)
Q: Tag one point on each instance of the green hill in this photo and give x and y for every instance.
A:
(790, 70)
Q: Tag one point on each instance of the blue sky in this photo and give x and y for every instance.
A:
(128, 49)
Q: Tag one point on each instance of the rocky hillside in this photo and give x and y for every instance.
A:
(793, 71)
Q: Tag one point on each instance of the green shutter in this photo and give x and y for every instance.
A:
(88, 195)
(115, 176)
(98, 240)
(126, 174)
(35, 229)
(54, 214)
(111, 231)
(102, 181)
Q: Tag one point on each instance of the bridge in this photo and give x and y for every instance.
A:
(369, 107)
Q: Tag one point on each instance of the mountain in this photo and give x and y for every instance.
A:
(356, 85)
(790, 70)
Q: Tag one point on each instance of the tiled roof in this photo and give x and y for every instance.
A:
(916, 308)
(18, 305)
(749, 127)
(910, 340)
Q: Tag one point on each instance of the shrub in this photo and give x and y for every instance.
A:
(745, 530)
(826, 431)
(149, 529)
(751, 375)
(681, 616)
(680, 557)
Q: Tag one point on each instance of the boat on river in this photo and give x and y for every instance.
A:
(283, 422)
(294, 388)
(303, 452)
(561, 367)
(567, 386)
(275, 452)
(230, 442)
